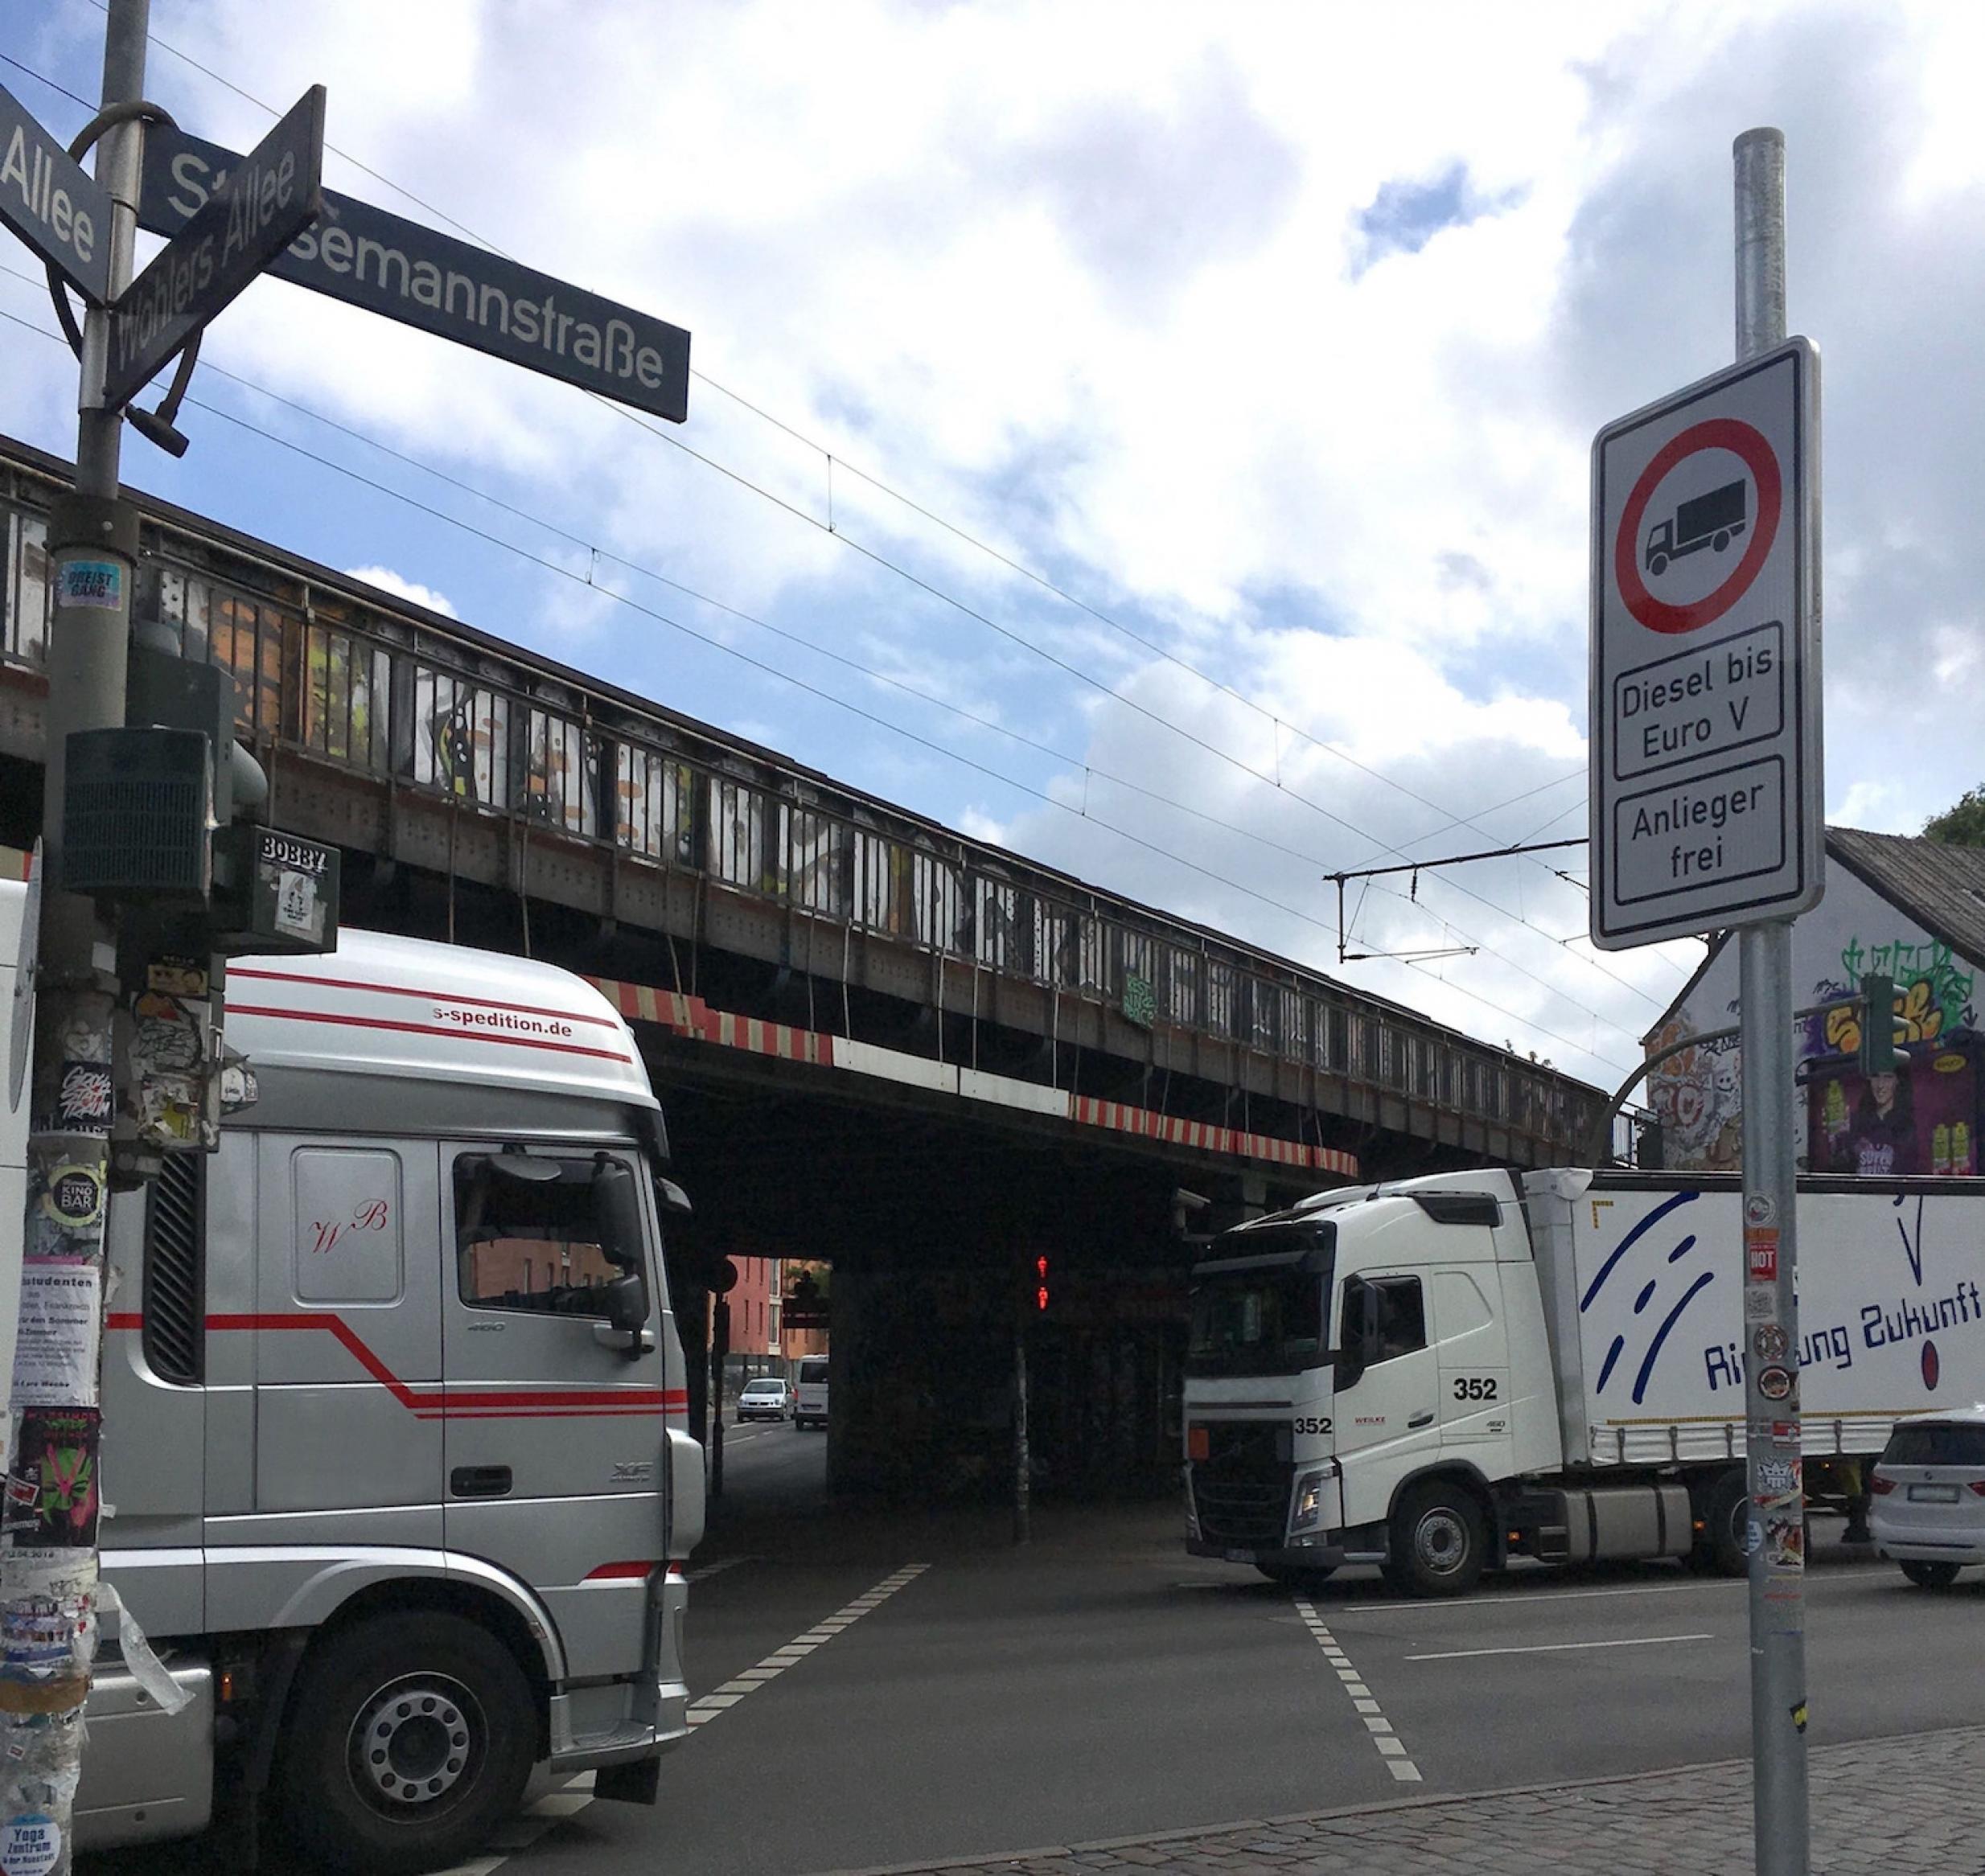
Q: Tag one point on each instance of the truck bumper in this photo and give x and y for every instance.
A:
(1331, 1551)
(621, 1722)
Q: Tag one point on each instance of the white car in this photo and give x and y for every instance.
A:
(1928, 1490)
(765, 1399)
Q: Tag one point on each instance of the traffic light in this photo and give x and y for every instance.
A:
(1878, 1026)
(1041, 1283)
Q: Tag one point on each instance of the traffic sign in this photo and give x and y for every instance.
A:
(52, 203)
(1705, 768)
(389, 266)
(269, 197)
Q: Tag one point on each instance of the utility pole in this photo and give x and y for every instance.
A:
(48, 1546)
(1771, 1323)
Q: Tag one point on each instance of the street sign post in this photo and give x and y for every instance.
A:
(389, 266)
(1705, 777)
(268, 198)
(53, 203)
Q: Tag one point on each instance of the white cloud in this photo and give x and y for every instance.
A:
(387, 580)
(1098, 283)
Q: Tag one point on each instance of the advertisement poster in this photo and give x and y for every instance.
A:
(54, 1349)
(1919, 1121)
(51, 1501)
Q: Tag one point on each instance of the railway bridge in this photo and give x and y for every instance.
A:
(879, 1042)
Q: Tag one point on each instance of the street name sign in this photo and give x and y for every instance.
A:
(269, 197)
(52, 203)
(1706, 772)
(387, 264)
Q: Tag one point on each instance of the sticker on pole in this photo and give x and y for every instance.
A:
(1705, 696)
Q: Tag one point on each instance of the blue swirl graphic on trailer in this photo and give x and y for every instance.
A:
(1659, 1253)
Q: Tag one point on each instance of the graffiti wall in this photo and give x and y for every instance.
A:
(1698, 1093)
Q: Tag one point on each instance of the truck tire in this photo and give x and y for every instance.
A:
(1437, 1542)
(1302, 1579)
(409, 1740)
(1725, 1547)
(1931, 1576)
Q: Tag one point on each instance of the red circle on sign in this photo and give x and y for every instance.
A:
(1716, 433)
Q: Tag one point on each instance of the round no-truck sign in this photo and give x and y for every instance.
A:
(1705, 705)
(1706, 508)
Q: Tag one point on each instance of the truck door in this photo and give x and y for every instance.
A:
(1388, 1417)
(346, 1336)
(554, 1433)
(1473, 1359)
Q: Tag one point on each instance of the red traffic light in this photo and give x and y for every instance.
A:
(1040, 1282)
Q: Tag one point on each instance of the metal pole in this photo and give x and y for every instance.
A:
(720, 1361)
(1023, 1460)
(48, 1547)
(1771, 1328)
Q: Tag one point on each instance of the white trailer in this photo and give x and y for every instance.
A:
(1444, 1374)
(397, 1460)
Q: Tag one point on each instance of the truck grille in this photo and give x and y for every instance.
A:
(1241, 1489)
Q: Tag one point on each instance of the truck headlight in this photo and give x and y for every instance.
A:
(1308, 1508)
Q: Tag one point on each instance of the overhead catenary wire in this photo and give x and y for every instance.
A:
(896, 570)
(785, 677)
(595, 554)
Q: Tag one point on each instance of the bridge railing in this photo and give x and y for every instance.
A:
(322, 671)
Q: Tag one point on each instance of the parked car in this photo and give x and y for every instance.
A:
(810, 1399)
(764, 1400)
(1928, 1495)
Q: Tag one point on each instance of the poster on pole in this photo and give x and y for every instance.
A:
(1706, 780)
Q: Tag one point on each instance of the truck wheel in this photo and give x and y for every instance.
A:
(1722, 540)
(409, 1741)
(1725, 1543)
(1658, 565)
(1931, 1576)
(1303, 1578)
(1438, 1541)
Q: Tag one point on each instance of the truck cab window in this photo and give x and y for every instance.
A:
(526, 1237)
(1402, 1315)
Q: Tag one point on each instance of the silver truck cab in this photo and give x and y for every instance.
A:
(396, 1420)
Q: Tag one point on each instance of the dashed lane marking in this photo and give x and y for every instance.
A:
(706, 1707)
(1558, 1647)
(1520, 1598)
(704, 1571)
(555, 1807)
(524, 1830)
(1391, 1749)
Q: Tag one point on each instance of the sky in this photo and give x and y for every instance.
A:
(1154, 439)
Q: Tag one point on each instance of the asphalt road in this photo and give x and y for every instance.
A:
(1100, 1683)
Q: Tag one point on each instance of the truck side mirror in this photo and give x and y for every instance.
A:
(616, 1219)
(626, 1299)
(1357, 1332)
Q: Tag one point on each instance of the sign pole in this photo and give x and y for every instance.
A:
(48, 1553)
(1772, 1449)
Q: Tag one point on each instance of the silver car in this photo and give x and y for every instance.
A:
(764, 1400)
(1928, 1495)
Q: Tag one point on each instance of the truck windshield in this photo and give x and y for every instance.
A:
(1262, 1314)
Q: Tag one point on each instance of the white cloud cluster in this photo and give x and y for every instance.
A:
(1279, 333)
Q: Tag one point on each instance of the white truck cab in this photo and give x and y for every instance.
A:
(396, 1418)
(1335, 1374)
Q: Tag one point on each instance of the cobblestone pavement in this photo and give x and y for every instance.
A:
(1901, 1807)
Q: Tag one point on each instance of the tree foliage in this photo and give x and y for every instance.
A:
(1962, 824)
